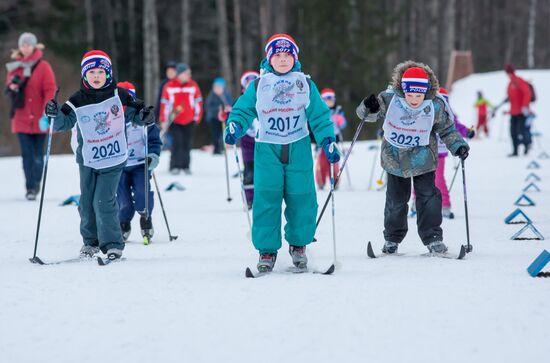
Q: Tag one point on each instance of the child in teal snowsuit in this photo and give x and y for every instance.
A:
(285, 101)
(101, 111)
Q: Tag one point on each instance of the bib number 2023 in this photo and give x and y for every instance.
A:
(406, 140)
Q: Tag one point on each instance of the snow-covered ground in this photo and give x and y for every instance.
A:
(188, 300)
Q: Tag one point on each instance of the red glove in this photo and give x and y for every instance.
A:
(222, 115)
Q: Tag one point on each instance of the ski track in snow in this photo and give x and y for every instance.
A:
(188, 300)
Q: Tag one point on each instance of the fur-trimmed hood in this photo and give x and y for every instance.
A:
(402, 67)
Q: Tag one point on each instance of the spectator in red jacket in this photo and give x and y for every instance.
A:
(30, 84)
(180, 109)
(519, 96)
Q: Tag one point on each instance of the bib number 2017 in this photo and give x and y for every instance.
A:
(406, 140)
(106, 150)
(283, 124)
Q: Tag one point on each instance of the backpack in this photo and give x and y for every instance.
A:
(533, 94)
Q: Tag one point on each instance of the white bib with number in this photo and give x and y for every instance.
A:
(281, 106)
(136, 144)
(102, 127)
(406, 127)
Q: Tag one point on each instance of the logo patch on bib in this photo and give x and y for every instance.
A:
(103, 125)
(282, 90)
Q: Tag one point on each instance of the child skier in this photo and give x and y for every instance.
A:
(97, 109)
(440, 181)
(247, 143)
(322, 169)
(482, 104)
(285, 102)
(412, 114)
(131, 188)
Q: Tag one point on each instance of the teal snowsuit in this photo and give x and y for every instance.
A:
(283, 172)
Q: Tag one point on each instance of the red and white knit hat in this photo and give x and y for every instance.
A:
(415, 80)
(281, 43)
(96, 59)
(443, 92)
(129, 86)
(328, 94)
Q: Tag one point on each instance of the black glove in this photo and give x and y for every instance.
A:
(462, 152)
(52, 109)
(371, 103)
(471, 133)
(147, 115)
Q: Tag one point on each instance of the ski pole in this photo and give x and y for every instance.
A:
(380, 180)
(372, 168)
(172, 238)
(468, 246)
(245, 206)
(229, 199)
(454, 177)
(333, 213)
(357, 132)
(36, 259)
(343, 146)
(146, 206)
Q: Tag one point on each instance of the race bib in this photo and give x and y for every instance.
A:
(281, 106)
(102, 127)
(406, 127)
(136, 144)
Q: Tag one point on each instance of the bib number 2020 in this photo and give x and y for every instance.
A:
(283, 124)
(406, 140)
(103, 151)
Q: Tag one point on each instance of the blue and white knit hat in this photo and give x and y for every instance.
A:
(96, 59)
(415, 80)
(281, 43)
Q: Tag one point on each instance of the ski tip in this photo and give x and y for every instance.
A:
(370, 251)
(330, 270)
(146, 241)
(462, 253)
(248, 273)
(36, 260)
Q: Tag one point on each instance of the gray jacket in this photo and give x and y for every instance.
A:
(418, 160)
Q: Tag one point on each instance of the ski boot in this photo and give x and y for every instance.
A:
(446, 213)
(126, 229)
(390, 247)
(266, 262)
(437, 247)
(88, 251)
(298, 254)
(114, 253)
(30, 195)
(146, 229)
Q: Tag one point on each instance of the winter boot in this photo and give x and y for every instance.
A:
(446, 213)
(126, 229)
(114, 253)
(298, 254)
(88, 251)
(147, 230)
(267, 262)
(390, 247)
(437, 247)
